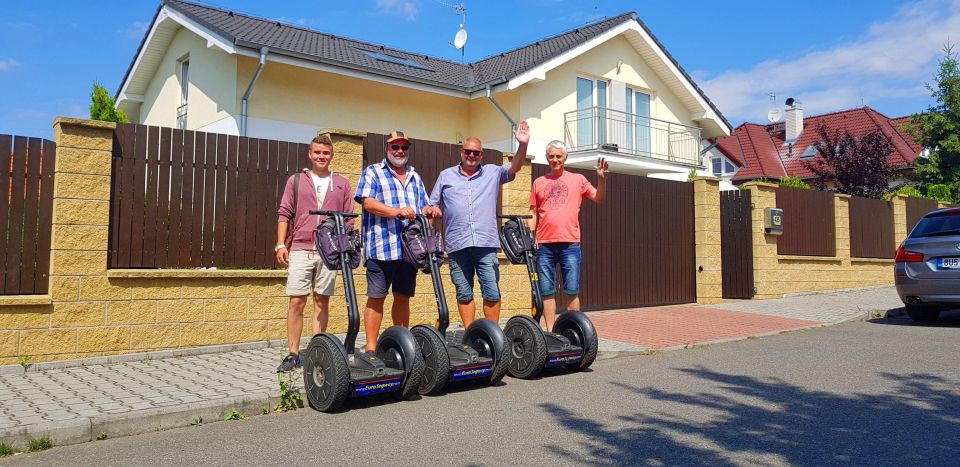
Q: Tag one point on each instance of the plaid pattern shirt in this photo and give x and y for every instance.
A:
(381, 235)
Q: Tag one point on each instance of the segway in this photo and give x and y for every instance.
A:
(478, 353)
(334, 371)
(573, 342)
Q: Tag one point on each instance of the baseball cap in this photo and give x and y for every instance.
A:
(396, 134)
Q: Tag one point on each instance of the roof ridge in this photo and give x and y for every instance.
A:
(538, 41)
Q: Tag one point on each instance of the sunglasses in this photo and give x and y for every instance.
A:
(397, 147)
(472, 152)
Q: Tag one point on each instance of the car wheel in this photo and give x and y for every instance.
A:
(922, 314)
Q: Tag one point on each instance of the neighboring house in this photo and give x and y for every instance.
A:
(779, 149)
(606, 88)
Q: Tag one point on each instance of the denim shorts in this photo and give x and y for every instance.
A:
(481, 261)
(398, 273)
(567, 255)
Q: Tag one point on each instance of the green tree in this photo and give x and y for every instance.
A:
(938, 129)
(103, 106)
(855, 166)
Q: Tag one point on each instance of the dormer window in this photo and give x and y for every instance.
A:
(810, 152)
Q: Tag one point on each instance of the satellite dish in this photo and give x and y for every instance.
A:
(789, 101)
(460, 39)
(774, 115)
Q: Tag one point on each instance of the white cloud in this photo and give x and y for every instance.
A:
(405, 10)
(892, 59)
(7, 64)
(134, 30)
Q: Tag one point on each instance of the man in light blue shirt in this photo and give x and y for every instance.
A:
(467, 195)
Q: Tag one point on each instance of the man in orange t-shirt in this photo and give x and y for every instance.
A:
(555, 209)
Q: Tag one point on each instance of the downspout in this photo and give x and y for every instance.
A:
(513, 124)
(246, 95)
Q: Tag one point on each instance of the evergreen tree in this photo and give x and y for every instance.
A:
(103, 106)
(938, 129)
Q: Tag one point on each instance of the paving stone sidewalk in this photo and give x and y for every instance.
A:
(115, 396)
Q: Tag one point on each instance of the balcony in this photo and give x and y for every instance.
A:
(603, 129)
(182, 117)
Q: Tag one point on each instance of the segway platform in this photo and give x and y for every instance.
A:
(369, 375)
(465, 362)
(560, 351)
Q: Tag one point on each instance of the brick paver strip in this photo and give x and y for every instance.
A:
(659, 328)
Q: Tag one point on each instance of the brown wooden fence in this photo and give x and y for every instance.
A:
(871, 228)
(193, 199)
(26, 185)
(736, 243)
(916, 209)
(638, 246)
(809, 226)
(428, 158)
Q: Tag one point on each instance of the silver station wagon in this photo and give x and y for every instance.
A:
(927, 271)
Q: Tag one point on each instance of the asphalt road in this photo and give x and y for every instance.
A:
(864, 393)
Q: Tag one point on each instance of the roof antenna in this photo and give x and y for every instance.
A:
(459, 40)
(774, 114)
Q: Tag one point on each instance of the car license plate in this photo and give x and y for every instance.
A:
(950, 263)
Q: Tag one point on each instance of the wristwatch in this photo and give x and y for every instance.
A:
(278, 247)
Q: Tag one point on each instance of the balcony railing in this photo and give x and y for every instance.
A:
(599, 128)
(182, 117)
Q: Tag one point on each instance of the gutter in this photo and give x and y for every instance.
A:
(246, 95)
(513, 124)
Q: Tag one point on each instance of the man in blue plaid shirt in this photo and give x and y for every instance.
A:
(390, 192)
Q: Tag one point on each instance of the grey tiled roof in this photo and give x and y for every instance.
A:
(344, 52)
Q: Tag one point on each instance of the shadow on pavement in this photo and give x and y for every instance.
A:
(768, 421)
(948, 319)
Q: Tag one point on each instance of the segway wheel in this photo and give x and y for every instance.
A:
(579, 330)
(326, 377)
(488, 340)
(397, 348)
(527, 347)
(436, 361)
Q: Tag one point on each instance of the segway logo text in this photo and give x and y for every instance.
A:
(473, 372)
(375, 387)
(564, 359)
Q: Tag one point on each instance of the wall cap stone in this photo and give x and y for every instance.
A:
(761, 184)
(342, 132)
(24, 300)
(873, 260)
(826, 259)
(194, 273)
(842, 195)
(706, 178)
(84, 122)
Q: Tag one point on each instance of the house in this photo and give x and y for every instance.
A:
(780, 149)
(607, 88)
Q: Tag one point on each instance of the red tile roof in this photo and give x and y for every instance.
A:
(759, 149)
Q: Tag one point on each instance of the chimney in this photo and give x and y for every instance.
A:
(794, 120)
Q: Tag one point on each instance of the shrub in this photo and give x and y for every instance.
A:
(940, 192)
(794, 182)
(906, 190)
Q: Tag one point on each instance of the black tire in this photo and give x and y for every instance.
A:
(326, 377)
(579, 330)
(436, 360)
(526, 346)
(923, 314)
(488, 340)
(397, 348)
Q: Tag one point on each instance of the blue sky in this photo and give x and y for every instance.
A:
(830, 55)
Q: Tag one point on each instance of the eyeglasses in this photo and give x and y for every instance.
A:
(472, 152)
(397, 147)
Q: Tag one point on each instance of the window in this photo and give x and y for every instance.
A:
(810, 152)
(184, 92)
(392, 59)
(638, 121)
(721, 166)
(591, 116)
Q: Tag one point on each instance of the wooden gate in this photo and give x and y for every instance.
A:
(736, 243)
(638, 246)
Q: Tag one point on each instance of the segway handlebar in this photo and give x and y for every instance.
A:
(345, 215)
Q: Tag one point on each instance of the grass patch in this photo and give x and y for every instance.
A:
(233, 414)
(6, 450)
(39, 444)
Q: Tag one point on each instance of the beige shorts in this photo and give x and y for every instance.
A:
(306, 271)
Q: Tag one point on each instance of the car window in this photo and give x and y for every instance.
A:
(946, 223)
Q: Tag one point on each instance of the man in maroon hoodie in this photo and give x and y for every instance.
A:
(319, 188)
